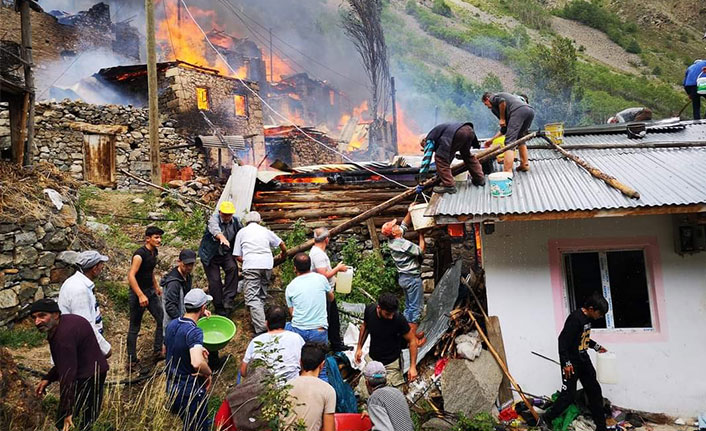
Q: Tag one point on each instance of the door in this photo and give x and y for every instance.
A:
(99, 159)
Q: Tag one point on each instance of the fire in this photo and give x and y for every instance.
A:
(407, 134)
(182, 38)
(279, 67)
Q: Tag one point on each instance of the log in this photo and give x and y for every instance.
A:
(165, 190)
(373, 234)
(495, 335)
(608, 179)
(409, 193)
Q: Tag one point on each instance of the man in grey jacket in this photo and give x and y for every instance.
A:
(176, 284)
(387, 406)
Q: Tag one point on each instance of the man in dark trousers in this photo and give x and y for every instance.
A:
(145, 293)
(574, 342)
(216, 253)
(690, 76)
(79, 365)
(515, 116)
(446, 140)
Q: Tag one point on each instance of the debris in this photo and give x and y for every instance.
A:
(582, 423)
(55, 198)
(679, 421)
(138, 201)
(175, 184)
(469, 345)
(471, 387)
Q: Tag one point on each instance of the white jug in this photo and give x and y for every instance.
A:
(607, 368)
(344, 280)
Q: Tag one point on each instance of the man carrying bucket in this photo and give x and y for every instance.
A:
(445, 140)
(574, 342)
(407, 257)
(515, 117)
(691, 78)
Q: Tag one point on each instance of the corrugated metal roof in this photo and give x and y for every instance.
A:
(662, 176)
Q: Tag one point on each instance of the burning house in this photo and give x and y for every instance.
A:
(295, 148)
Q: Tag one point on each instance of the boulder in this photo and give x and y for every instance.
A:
(8, 298)
(30, 273)
(68, 257)
(66, 217)
(26, 291)
(471, 387)
(97, 227)
(46, 258)
(437, 424)
(25, 238)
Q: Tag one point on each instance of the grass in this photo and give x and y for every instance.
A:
(21, 337)
(119, 293)
(600, 18)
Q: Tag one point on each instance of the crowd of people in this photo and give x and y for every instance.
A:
(237, 258)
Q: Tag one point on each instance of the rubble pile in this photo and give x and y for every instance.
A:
(201, 188)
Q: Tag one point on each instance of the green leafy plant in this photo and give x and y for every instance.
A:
(119, 293)
(296, 236)
(480, 422)
(21, 337)
(441, 8)
(374, 272)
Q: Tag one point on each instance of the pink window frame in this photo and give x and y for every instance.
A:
(654, 273)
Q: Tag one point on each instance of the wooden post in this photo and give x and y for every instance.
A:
(495, 335)
(608, 179)
(394, 112)
(272, 73)
(26, 29)
(156, 166)
(373, 234)
(372, 212)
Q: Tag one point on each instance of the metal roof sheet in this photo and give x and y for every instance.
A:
(663, 176)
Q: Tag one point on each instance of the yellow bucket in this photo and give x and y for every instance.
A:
(555, 132)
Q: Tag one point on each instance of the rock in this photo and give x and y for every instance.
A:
(138, 201)
(30, 273)
(195, 185)
(10, 271)
(46, 258)
(154, 215)
(44, 281)
(175, 184)
(8, 298)
(6, 260)
(471, 387)
(25, 238)
(26, 291)
(7, 227)
(203, 180)
(59, 275)
(66, 217)
(39, 294)
(97, 227)
(75, 169)
(428, 285)
(437, 424)
(25, 256)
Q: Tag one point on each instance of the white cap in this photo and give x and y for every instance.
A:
(196, 298)
(90, 258)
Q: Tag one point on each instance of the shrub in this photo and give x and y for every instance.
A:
(21, 337)
(374, 272)
(441, 8)
(633, 47)
(119, 293)
(297, 235)
(480, 422)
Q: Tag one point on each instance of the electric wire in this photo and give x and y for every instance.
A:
(264, 102)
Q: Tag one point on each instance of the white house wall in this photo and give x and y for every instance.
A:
(662, 373)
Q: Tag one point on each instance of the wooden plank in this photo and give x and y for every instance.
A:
(101, 129)
(18, 119)
(495, 335)
(373, 234)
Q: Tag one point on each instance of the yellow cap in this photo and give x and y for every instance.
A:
(227, 207)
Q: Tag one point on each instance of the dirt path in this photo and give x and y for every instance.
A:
(597, 45)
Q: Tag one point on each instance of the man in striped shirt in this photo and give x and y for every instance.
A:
(407, 257)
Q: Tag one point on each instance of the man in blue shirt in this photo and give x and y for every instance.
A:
(690, 77)
(188, 373)
(306, 297)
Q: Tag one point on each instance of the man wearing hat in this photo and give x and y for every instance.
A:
(216, 251)
(188, 373)
(253, 248)
(387, 406)
(76, 294)
(176, 284)
(79, 365)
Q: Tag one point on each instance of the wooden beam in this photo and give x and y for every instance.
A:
(99, 129)
(373, 234)
(152, 94)
(495, 335)
(26, 30)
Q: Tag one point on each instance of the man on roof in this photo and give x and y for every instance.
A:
(515, 116)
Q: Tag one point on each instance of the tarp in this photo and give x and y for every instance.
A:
(436, 321)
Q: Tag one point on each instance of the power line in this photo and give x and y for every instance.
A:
(264, 102)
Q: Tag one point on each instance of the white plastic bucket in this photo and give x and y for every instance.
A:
(344, 281)
(607, 368)
(418, 220)
(500, 184)
(701, 84)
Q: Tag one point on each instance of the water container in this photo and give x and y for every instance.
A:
(418, 220)
(555, 132)
(607, 368)
(701, 84)
(500, 184)
(344, 280)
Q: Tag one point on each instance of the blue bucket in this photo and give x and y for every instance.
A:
(500, 184)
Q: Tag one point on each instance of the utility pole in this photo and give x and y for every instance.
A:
(156, 167)
(272, 75)
(26, 29)
(394, 114)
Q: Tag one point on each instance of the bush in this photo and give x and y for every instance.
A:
(293, 238)
(593, 15)
(441, 8)
(480, 422)
(21, 337)
(530, 13)
(633, 47)
(374, 272)
(119, 293)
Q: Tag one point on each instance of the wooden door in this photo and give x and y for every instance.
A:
(99, 159)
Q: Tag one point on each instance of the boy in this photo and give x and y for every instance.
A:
(574, 341)
(145, 293)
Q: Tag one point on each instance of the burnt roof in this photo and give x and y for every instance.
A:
(137, 71)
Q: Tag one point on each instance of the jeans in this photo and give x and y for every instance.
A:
(312, 336)
(413, 296)
(87, 407)
(255, 285)
(223, 292)
(584, 371)
(189, 401)
(691, 90)
(136, 312)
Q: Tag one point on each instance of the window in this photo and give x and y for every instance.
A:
(621, 275)
(202, 98)
(241, 105)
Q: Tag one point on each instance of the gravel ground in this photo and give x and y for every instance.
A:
(597, 44)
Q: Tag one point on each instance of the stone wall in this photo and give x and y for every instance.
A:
(33, 259)
(57, 143)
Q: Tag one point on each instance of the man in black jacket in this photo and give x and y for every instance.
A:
(176, 284)
(448, 139)
(574, 342)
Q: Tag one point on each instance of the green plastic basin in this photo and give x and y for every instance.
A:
(217, 332)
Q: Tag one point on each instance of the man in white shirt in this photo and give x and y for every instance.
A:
(76, 294)
(253, 248)
(273, 344)
(321, 263)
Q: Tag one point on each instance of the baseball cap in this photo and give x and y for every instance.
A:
(187, 256)
(90, 258)
(227, 207)
(388, 227)
(374, 370)
(252, 217)
(196, 298)
(45, 305)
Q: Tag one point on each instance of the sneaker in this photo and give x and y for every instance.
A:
(444, 189)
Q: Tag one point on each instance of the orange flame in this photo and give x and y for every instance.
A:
(279, 67)
(407, 134)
